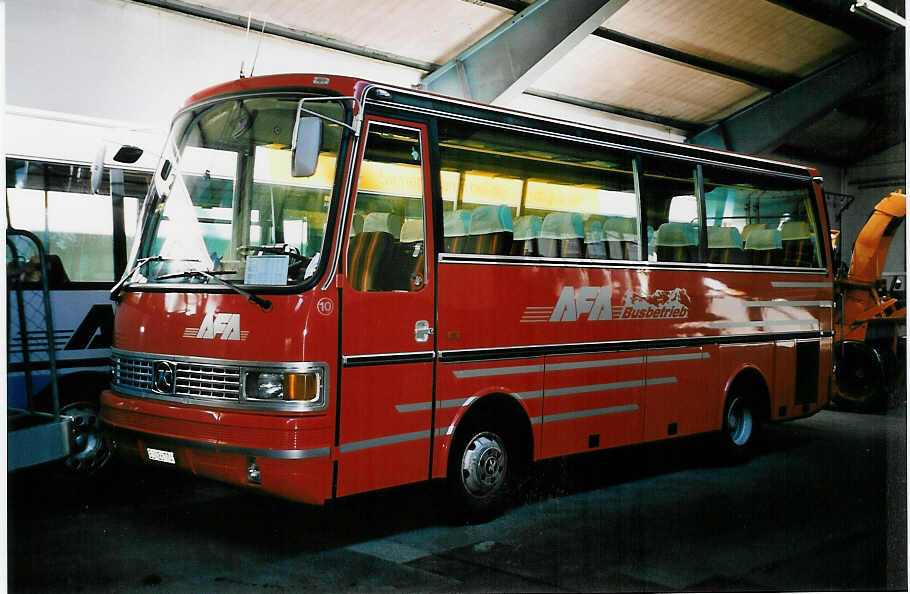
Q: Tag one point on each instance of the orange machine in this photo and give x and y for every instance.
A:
(866, 321)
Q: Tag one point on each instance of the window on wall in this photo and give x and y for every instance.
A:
(386, 248)
(760, 219)
(512, 193)
(54, 201)
(670, 204)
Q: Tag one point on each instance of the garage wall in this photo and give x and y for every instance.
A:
(133, 66)
(870, 181)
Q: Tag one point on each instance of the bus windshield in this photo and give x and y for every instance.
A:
(223, 199)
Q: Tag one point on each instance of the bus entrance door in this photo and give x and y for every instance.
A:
(388, 315)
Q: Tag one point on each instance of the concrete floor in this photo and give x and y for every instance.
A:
(821, 507)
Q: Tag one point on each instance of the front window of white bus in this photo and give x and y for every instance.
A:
(226, 209)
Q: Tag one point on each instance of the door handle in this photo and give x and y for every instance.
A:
(422, 331)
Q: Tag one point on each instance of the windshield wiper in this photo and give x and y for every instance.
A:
(117, 289)
(260, 301)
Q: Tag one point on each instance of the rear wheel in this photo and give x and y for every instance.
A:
(480, 473)
(741, 427)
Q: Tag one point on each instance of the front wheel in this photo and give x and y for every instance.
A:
(480, 474)
(741, 428)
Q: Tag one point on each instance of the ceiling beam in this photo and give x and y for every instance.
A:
(763, 126)
(506, 61)
(836, 14)
(766, 83)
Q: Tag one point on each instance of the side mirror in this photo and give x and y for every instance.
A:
(98, 170)
(128, 154)
(305, 149)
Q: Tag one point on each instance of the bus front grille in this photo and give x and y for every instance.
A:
(190, 379)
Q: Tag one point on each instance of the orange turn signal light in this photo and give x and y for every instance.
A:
(302, 387)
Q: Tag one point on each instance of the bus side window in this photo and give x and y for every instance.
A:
(388, 252)
(671, 208)
(54, 201)
(566, 199)
(774, 218)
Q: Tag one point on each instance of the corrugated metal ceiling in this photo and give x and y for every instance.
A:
(685, 63)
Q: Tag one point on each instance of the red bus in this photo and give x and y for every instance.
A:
(341, 286)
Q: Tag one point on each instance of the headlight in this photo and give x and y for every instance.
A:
(264, 386)
(305, 388)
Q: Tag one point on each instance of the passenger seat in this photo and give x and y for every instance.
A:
(525, 236)
(371, 252)
(490, 231)
(455, 230)
(562, 235)
(725, 246)
(798, 247)
(675, 243)
(594, 240)
(764, 247)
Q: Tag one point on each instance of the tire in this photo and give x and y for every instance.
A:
(91, 451)
(742, 423)
(481, 474)
(861, 378)
(80, 399)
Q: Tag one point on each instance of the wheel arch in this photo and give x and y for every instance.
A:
(752, 381)
(504, 410)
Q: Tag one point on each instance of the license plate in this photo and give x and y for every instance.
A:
(161, 456)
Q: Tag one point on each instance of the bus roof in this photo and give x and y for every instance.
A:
(427, 102)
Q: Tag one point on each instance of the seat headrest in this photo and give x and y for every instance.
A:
(526, 227)
(724, 237)
(455, 223)
(625, 226)
(562, 225)
(356, 224)
(593, 232)
(490, 219)
(411, 231)
(675, 235)
(386, 222)
(750, 228)
(763, 239)
(795, 230)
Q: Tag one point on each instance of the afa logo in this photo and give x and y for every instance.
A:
(595, 304)
(225, 326)
(661, 304)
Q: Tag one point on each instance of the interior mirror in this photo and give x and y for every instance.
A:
(305, 150)
(128, 154)
(98, 170)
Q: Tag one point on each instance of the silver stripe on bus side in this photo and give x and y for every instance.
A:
(494, 371)
(656, 381)
(498, 371)
(382, 441)
(783, 303)
(801, 285)
(813, 324)
(596, 412)
(683, 357)
(591, 364)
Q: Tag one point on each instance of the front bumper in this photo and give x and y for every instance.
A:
(293, 452)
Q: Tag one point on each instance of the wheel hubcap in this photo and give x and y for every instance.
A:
(90, 450)
(483, 464)
(739, 422)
